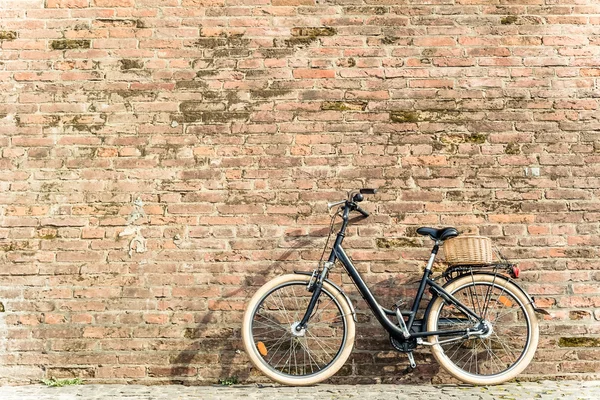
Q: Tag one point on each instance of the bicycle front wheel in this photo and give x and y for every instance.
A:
(293, 357)
(510, 325)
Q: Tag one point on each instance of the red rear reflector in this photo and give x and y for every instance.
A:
(516, 271)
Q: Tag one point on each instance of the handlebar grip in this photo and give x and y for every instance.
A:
(363, 212)
(368, 191)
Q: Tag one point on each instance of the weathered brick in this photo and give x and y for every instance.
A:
(313, 73)
(236, 134)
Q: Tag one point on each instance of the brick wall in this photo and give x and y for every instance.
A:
(161, 158)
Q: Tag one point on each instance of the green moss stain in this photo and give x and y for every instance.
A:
(579, 315)
(205, 73)
(389, 40)
(222, 117)
(476, 138)
(369, 10)
(383, 243)
(450, 116)
(310, 31)
(2, 309)
(66, 44)
(344, 105)
(47, 233)
(213, 116)
(131, 64)
(233, 53)
(411, 231)
(230, 41)
(303, 36)
(455, 139)
(132, 93)
(190, 333)
(268, 93)
(508, 20)
(200, 106)
(580, 253)
(122, 22)
(499, 206)
(210, 43)
(579, 342)
(191, 85)
(512, 148)
(8, 35)
(275, 52)
(404, 116)
(15, 246)
(346, 62)
(300, 41)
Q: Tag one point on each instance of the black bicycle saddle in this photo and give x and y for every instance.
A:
(438, 234)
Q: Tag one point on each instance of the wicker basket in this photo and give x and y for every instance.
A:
(468, 250)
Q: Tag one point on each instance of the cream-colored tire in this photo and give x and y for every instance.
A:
(254, 349)
(515, 319)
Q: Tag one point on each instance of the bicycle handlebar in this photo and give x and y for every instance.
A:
(363, 212)
(353, 198)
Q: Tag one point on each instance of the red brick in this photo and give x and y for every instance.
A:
(67, 3)
(109, 372)
(492, 133)
(313, 73)
(436, 41)
(114, 3)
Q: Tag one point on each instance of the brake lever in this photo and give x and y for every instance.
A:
(363, 212)
(337, 203)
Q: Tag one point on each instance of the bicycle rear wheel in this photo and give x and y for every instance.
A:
(286, 355)
(511, 337)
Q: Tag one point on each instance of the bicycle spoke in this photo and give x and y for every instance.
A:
(501, 293)
(284, 355)
(281, 341)
(504, 347)
(509, 328)
(305, 352)
(310, 358)
(340, 317)
(297, 305)
(284, 309)
(274, 326)
(321, 309)
(475, 343)
(319, 343)
(493, 355)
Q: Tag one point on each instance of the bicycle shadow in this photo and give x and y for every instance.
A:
(372, 361)
(224, 348)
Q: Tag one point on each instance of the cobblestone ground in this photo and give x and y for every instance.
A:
(525, 390)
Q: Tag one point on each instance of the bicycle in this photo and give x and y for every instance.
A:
(298, 329)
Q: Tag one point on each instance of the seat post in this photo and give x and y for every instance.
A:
(423, 283)
(434, 252)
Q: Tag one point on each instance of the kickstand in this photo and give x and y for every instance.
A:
(411, 360)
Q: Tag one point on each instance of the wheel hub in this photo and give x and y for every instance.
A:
(297, 332)
(486, 327)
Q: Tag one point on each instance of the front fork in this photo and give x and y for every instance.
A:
(314, 285)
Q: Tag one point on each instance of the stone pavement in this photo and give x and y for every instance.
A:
(523, 390)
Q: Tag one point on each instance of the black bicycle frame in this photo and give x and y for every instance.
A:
(338, 253)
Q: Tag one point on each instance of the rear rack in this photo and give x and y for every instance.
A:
(503, 268)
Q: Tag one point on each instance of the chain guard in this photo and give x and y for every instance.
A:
(405, 346)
